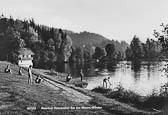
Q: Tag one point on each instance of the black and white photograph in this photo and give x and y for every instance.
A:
(83, 57)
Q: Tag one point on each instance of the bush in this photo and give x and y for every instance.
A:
(154, 100)
(101, 90)
(123, 95)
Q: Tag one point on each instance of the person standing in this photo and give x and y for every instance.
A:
(30, 75)
(81, 74)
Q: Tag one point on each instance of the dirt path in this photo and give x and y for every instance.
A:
(67, 92)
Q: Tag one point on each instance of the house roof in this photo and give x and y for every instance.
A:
(25, 51)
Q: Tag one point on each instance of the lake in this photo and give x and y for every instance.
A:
(141, 77)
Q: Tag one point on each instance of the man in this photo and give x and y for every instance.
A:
(105, 81)
(81, 74)
(30, 75)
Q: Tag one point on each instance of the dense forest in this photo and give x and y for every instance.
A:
(49, 44)
(52, 45)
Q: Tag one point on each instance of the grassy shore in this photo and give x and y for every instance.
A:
(17, 97)
(153, 102)
(99, 98)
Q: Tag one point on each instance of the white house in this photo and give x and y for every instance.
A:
(25, 58)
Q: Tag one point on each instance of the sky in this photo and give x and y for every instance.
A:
(114, 19)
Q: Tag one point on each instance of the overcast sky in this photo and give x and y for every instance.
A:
(114, 19)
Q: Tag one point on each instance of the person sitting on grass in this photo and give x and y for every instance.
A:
(20, 71)
(68, 78)
(8, 70)
(38, 79)
(105, 81)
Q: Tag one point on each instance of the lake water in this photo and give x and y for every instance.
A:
(141, 77)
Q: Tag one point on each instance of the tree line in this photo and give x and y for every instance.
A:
(150, 50)
(49, 44)
(52, 45)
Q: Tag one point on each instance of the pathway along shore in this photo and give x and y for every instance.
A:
(18, 97)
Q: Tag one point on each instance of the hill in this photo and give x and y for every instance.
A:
(49, 44)
(86, 38)
(97, 40)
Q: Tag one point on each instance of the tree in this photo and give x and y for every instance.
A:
(97, 53)
(163, 39)
(88, 51)
(14, 43)
(50, 44)
(151, 49)
(58, 40)
(30, 36)
(65, 48)
(110, 49)
(119, 56)
(136, 47)
(128, 53)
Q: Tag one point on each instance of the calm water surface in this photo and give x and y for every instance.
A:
(141, 77)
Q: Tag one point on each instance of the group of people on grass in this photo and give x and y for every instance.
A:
(38, 78)
(30, 75)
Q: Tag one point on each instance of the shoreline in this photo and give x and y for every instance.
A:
(58, 93)
(98, 96)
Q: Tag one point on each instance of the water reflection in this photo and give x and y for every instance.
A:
(136, 65)
(142, 77)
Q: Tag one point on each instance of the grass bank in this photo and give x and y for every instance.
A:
(110, 105)
(17, 97)
(153, 102)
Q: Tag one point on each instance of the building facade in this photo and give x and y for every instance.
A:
(25, 58)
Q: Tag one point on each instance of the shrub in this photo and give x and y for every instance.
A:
(154, 100)
(101, 90)
(123, 95)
